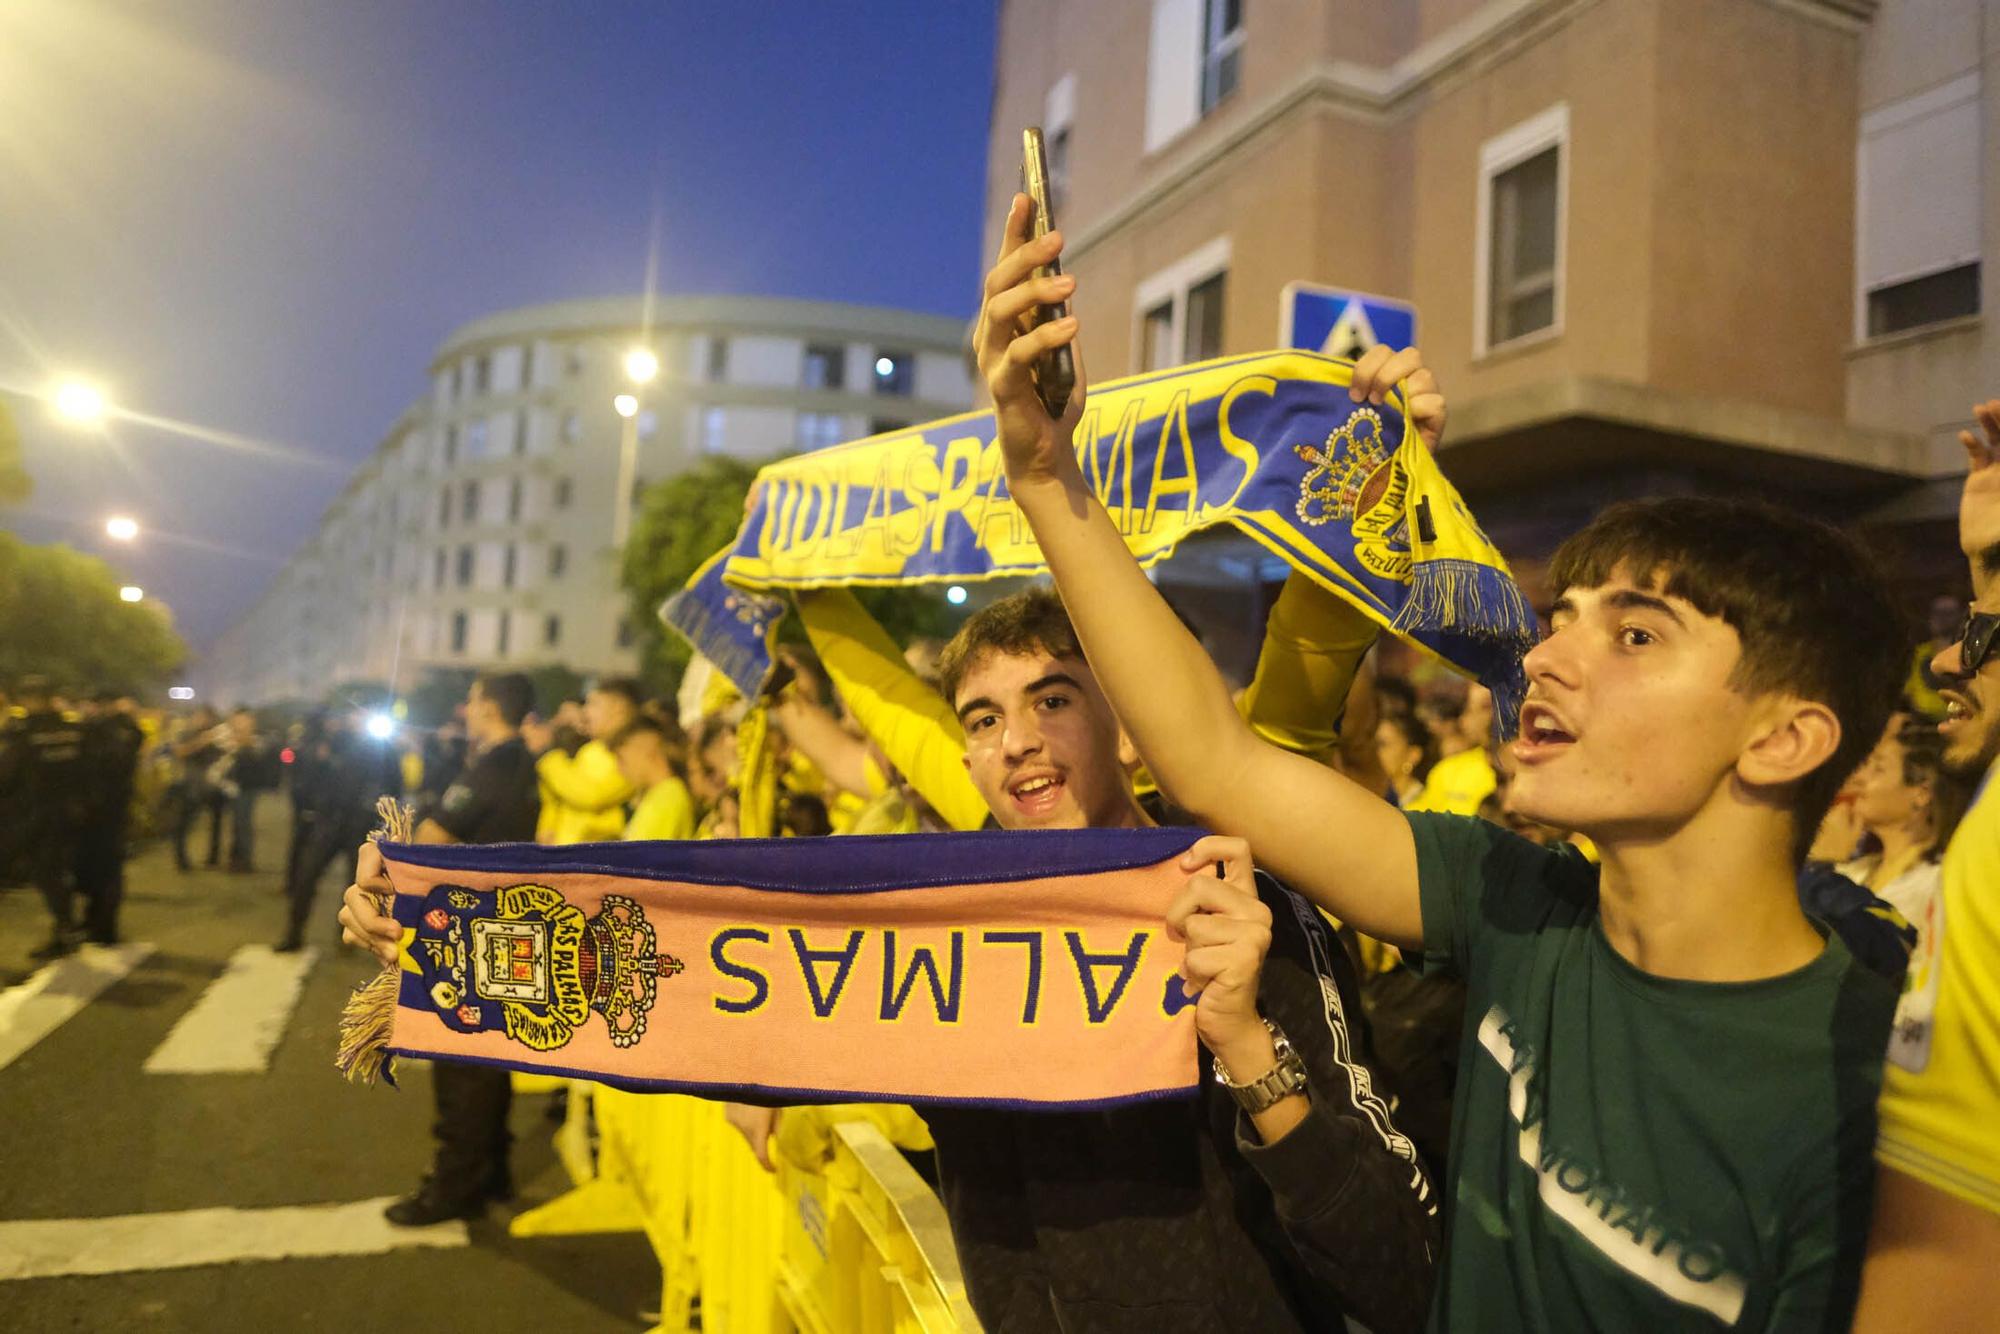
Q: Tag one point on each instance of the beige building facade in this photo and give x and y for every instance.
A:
(480, 534)
(1654, 245)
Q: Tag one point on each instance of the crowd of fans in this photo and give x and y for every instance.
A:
(1650, 954)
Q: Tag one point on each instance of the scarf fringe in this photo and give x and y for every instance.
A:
(365, 1025)
(1483, 608)
(369, 1016)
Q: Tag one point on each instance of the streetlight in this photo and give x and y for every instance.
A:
(641, 365)
(121, 527)
(131, 593)
(80, 402)
(625, 405)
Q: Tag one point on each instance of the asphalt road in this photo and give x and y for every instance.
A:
(128, 1155)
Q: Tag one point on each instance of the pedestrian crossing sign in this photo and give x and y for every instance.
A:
(1341, 323)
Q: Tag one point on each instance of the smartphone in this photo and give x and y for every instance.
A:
(1055, 372)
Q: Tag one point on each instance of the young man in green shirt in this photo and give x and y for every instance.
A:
(1665, 1107)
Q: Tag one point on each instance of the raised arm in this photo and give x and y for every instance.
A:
(588, 780)
(908, 719)
(1345, 848)
(1313, 647)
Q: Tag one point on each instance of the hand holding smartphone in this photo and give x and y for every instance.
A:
(1055, 372)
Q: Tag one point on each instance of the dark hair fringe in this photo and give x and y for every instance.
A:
(1033, 619)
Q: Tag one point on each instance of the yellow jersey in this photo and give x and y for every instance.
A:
(1941, 1087)
(665, 810)
(583, 795)
(1458, 784)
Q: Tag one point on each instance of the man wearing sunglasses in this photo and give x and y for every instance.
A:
(1931, 1253)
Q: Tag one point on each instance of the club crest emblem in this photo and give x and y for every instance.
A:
(526, 961)
(1355, 479)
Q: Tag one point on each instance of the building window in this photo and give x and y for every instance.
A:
(475, 437)
(458, 632)
(508, 560)
(1157, 345)
(718, 360)
(558, 560)
(1522, 185)
(464, 566)
(1179, 309)
(444, 507)
(1203, 335)
(468, 505)
(563, 492)
(1058, 115)
(825, 366)
(514, 500)
(714, 430)
(1931, 299)
(450, 445)
(648, 424)
(572, 428)
(551, 630)
(482, 374)
(894, 373)
(817, 430)
(437, 568)
(1221, 50)
(506, 624)
(1919, 177)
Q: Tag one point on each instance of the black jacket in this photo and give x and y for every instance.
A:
(1169, 1216)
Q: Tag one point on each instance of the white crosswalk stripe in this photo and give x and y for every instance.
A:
(239, 1018)
(54, 1247)
(55, 994)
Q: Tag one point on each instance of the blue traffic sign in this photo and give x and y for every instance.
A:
(1342, 324)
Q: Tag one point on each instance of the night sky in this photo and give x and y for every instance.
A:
(262, 216)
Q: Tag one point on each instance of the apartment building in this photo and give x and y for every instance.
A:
(480, 532)
(1655, 246)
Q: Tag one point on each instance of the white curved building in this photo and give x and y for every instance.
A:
(480, 532)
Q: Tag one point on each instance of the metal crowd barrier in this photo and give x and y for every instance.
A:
(861, 1247)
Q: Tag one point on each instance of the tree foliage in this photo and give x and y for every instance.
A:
(684, 520)
(60, 617)
(681, 522)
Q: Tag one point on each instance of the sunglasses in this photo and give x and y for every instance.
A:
(1976, 640)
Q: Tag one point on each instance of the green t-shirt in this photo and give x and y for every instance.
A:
(1630, 1152)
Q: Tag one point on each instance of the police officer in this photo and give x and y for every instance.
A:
(41, 767)
(494, 800)
(335, 786)
(112, 740)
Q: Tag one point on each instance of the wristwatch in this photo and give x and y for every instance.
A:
(1284, 1079)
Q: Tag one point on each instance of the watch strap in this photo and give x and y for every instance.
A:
(1281, 1081)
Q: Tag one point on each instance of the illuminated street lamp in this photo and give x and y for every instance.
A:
(131, 593)
(121, 528)
(625, 405)
(80, 402)
(641, 365)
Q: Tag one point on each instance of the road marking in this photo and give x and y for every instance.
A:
(239, 1019)
(31, 1010)
(55, 1247)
